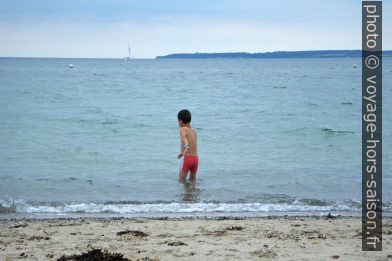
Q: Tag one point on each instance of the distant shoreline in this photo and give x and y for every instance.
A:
(277, 54)
(231, 55)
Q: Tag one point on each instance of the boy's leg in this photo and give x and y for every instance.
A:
(182, 175)
(192, 176)
(184, 169)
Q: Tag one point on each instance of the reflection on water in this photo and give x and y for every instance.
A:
(191, 193)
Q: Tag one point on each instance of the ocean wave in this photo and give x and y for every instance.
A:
(175, 207)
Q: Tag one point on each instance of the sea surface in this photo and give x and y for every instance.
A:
(275, 136)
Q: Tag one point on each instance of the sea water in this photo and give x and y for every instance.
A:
(275, 136)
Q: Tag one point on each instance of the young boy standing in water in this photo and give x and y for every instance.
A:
(188, 152)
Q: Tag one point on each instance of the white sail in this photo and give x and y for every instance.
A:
(129, 53)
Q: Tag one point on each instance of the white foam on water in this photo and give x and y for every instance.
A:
(175, 208)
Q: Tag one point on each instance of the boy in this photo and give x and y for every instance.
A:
(188, 147)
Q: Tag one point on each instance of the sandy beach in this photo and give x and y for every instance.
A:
(278, 238)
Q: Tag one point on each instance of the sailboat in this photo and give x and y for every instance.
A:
(129, 54)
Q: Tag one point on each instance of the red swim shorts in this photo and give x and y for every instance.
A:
(189, 163)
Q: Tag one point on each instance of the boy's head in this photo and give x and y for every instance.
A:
(184, 117)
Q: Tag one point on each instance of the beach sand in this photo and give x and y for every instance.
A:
(278, 238)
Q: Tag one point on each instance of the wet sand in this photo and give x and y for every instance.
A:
(277, 238)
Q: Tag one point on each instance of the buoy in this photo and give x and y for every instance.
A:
(70, 65)
(354, 65)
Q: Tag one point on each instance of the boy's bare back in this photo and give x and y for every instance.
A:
(191, 137)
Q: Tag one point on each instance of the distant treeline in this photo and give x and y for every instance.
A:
(280, 54)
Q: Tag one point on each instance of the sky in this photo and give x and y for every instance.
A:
(103, 29)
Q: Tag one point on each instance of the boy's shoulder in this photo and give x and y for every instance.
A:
(183, 130)
(187, 129)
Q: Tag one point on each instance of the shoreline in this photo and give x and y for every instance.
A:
(182, 216)
(195, 238)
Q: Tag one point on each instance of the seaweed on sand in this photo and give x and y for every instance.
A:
(95, 255)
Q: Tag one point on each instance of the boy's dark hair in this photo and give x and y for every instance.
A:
(184, 116)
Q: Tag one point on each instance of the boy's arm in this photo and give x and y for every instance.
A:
(184, 139)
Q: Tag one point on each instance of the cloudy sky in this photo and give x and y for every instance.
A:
(98, 28)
